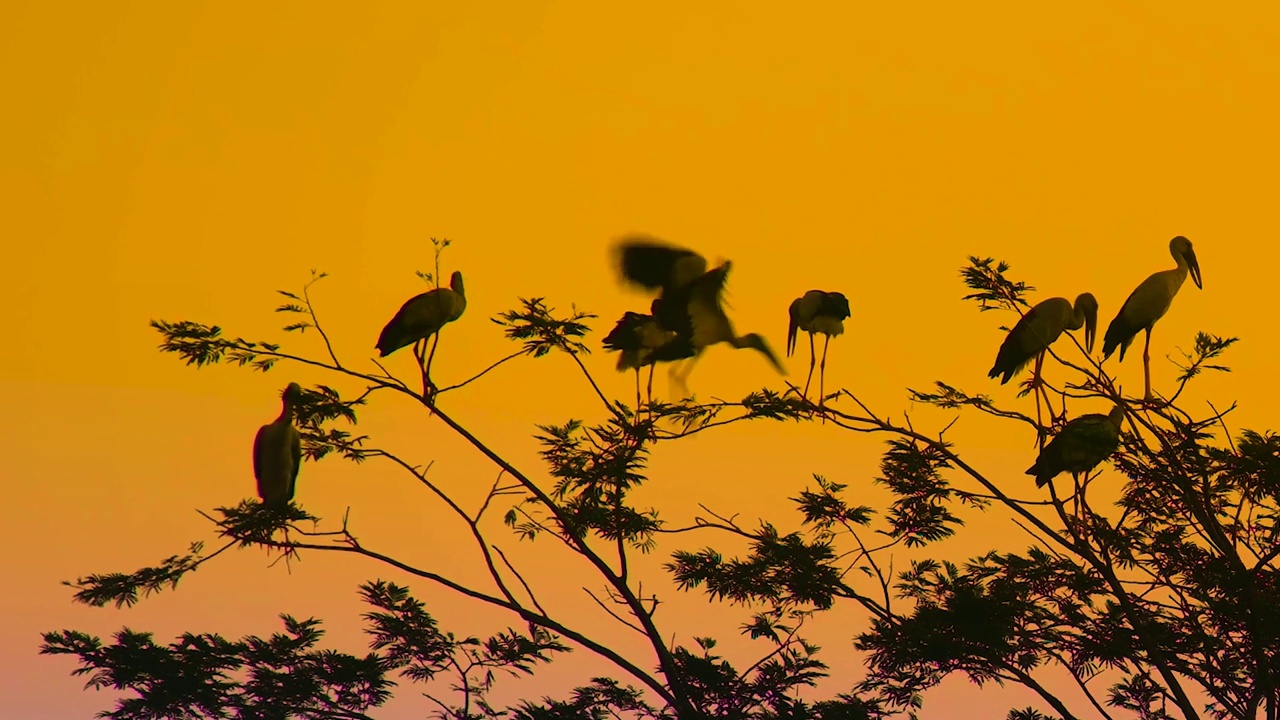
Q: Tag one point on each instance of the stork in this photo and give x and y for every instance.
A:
(1080, 446)
(641, 340)
(277, 453)
(1148, 303)
(691, 296)
(1036, 331)
(422, 316)
(817, 311)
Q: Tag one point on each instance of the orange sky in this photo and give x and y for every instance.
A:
(185, 160)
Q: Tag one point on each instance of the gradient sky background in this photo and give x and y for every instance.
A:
(185, 160)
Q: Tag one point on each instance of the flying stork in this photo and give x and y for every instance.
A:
(817, 311)
(1080, 446)
(422, 316)
(277, 453)
(1037, 330)
(1148, 303)
(691, 296)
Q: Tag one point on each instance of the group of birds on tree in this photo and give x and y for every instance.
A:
(687, 316)
(1088, 440)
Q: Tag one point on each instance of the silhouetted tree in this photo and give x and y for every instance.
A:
(1165, 606)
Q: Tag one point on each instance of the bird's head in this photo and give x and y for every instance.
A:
(1116, 416)
(1088, 304)
(455, 283)
(1183, 253)
(292, 393)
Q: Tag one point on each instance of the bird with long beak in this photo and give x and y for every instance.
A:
(1148, 303)
(1036, 331)
(277, 453)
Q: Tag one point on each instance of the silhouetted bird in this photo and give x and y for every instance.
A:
(423, 316)
(1148, 303)
(817, 311)
(1080, 446)
(691, 297)
(1037, 330)
(277, 453)
(641, 340)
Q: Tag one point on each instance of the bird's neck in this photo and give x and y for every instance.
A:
(286, 413)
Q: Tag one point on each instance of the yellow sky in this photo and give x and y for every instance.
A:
(185, 160)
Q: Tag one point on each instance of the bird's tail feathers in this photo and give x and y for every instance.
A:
(1118, 333)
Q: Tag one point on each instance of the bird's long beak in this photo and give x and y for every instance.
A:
(1194, 266)
(1090, 329)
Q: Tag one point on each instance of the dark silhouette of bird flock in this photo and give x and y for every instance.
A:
(687, 316)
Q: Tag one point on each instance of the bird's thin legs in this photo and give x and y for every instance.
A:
(637, 390)
(1146, 365)
(1035, 382)
(809, 377)
(683, 378)
(1048, 402)
(650, 390)
(822, 374)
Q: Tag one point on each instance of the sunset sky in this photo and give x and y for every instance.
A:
(184, 160)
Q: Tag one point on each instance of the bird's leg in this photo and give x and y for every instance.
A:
(637, 391)
(427, 383)
(684, 377)
(650, 390)
(1146, 365)
(1035, 382)
(1048, 402)
(822, 375)
(809, 377)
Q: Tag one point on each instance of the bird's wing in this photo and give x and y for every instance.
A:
(295, 451)
(648, 262)
(257, 450)
(1020, 346)
(417, 318)
(835, 305)
(709, 323)
(1087, 441)
(1093, 430)
(624, 334)
(1144, 306)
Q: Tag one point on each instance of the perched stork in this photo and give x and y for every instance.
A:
(1037, 330)
(1148, 303)
(1080, 446)
(691, 296)
(423, 316)
(641, 340)
(817, 311)
(277, 453)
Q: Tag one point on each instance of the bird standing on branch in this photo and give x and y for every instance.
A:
(1080, 446)
(1036, 331)
(1148, 303)
(277, 453)
(423, 315)
(817, 311)
(641, 340)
